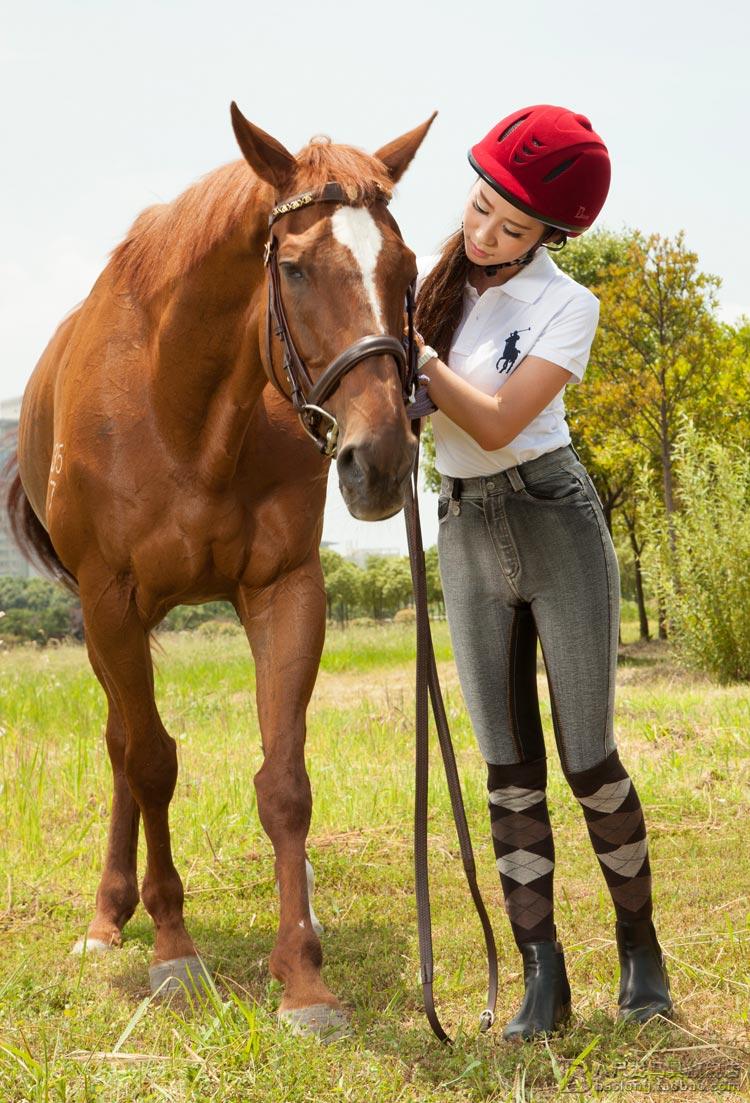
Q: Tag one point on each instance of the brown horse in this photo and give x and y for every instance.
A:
(156, 466)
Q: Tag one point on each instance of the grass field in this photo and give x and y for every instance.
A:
(75, 1030)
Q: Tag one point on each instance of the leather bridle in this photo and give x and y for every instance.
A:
(308, 396)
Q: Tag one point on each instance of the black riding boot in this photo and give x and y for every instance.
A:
(644, 984)
(546, 1001)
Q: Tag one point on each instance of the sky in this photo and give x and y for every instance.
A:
(109, 107)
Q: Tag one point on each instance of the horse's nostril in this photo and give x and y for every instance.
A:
(348, 468)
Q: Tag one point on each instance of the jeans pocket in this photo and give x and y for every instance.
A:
(554, 486)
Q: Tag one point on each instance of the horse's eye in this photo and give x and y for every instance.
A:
(291, 271)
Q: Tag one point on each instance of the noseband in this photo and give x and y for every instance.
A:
(308, 396)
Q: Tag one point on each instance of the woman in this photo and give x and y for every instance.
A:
(523, 547)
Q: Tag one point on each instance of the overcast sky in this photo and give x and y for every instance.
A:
(109, 107)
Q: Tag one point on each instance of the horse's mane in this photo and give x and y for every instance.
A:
(168, 240)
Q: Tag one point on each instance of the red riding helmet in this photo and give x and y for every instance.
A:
(548, 162)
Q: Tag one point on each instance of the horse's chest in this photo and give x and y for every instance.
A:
(236, 541)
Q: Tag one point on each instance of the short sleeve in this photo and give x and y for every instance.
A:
(567, 338)
(424, 267)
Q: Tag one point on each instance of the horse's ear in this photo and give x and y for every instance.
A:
(272, 162)
(397, 155)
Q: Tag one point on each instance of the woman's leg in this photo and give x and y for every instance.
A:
(571, 575)
(614, 818)
(573, 578)
(494, 645)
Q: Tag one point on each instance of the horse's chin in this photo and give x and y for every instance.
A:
(366, 509)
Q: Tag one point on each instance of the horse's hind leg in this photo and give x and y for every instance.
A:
(285, 623)
(117, 896)
(120, 642)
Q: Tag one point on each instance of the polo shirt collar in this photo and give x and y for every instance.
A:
(528, 284)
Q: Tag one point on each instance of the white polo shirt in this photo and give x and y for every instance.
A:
(539, 311)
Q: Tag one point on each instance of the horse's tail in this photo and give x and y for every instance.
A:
(29, 532)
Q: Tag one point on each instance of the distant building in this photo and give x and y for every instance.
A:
(11, 560)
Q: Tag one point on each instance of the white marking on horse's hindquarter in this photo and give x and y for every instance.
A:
(55, 468)
(355, 228)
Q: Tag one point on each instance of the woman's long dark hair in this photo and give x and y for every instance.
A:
(441, 295)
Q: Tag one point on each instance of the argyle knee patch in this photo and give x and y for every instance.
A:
(523, 844)
(617, 830)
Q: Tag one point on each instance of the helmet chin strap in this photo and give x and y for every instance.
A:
(493, 269)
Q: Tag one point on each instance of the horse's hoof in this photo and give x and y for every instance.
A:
(179, 974)
(91, 946)
(319, 1020)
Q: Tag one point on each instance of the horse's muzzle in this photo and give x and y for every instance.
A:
(373, 476)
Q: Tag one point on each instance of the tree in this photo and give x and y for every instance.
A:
(386, 585)
(660, 349)
(660, 353)
(344, 581)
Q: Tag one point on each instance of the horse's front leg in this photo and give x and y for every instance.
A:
(285, 624)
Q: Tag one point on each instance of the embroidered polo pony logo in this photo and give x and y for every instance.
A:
(511, 351)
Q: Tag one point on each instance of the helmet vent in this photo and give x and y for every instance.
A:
(536, 142)
(509, 129)
(527, 151)
(558, 170)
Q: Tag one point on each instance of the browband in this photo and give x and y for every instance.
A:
(331, 192)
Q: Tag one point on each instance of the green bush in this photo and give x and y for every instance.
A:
(190, 616)
(36, 609)
(699, 564)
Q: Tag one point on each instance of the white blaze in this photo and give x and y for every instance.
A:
(355, 228)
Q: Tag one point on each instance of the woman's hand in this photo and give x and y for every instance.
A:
(422, 406)
(418, 338)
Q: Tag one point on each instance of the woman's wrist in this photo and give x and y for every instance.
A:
(426, 354)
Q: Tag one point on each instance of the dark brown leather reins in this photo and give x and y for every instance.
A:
(427, 678)
(307, 397)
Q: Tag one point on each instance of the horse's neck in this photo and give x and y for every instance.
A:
(208, 374)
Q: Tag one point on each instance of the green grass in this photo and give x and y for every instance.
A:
(73, 1030)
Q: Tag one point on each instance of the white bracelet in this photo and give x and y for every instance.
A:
(425, 355)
